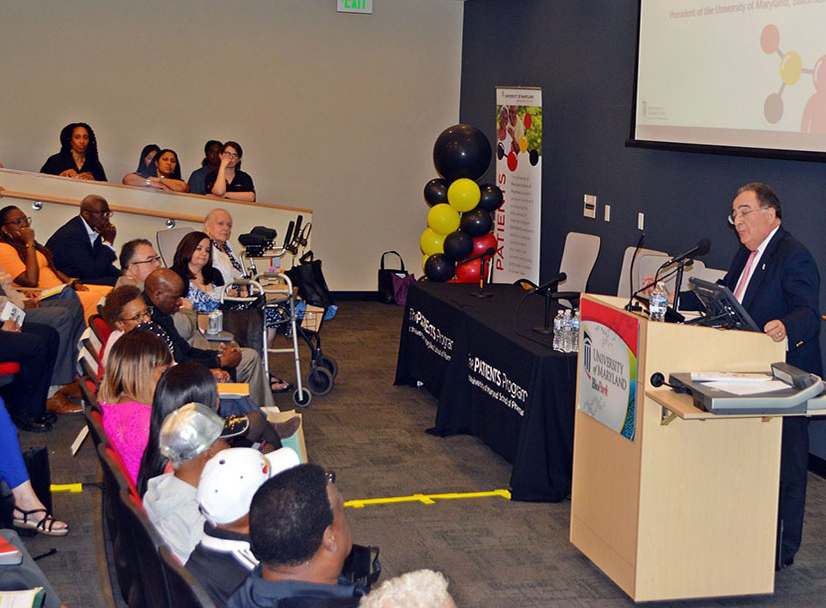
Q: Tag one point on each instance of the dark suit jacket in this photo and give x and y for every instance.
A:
(75, 256)
(181, 350)
(786, 286)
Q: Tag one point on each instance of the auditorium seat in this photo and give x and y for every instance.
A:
(184, 589)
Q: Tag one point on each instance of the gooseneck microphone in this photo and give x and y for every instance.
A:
(702, 247)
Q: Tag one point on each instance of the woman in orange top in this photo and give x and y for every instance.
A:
(30, 263)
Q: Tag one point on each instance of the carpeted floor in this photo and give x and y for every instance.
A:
(495, 552)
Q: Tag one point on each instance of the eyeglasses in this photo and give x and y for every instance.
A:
(330, 476)
(230, 155)
(103, 214)
(146, 312)
(732, 217)
(152, 260)
(20, 221)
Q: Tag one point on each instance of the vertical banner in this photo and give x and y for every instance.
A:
(519, 176)
(608, 367)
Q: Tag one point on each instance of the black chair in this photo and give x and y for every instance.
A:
(122, 552)
(144, 544)
(184, 589)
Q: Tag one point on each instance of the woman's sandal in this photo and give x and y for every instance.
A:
(45, 525)
(277, 385)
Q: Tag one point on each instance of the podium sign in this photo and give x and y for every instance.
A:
(608, 367)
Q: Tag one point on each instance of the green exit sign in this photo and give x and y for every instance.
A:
(355, 6)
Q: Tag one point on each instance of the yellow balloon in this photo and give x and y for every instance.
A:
(791, 67)
(424, 260)
(523, 144)
(443, 218)
(432, 242)
(463, 194)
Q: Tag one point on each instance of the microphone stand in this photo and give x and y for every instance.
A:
(547, 328)
(482, 293)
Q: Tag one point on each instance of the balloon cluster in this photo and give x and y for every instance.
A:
(459, 221)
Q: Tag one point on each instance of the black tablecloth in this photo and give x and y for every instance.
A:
(494, 378)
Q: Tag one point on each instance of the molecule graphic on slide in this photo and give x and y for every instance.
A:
(791, 69)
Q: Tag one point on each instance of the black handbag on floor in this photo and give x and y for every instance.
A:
(386, 292)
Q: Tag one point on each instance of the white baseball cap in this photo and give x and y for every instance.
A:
(231, 478)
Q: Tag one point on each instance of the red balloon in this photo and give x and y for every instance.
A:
(512, 162)
(527, 121)
(468, 272)
(482, 243)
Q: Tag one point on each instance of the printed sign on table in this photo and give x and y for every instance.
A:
(608, 367)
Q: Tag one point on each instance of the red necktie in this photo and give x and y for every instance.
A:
(741, 284)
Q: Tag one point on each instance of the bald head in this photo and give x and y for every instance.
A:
(218, 225)
(95, 211)
(164, 288)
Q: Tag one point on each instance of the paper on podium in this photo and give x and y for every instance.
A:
(749, 387)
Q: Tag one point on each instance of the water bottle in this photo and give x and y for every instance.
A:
(657, 302)
(566, 331)
(558, 331)
(575, 331)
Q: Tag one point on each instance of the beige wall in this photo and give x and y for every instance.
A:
(335, 112)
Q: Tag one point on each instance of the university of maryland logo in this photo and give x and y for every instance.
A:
(586, 352)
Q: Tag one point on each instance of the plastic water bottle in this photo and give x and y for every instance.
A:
(575, 331)
(657, 302)
(566, 331)
(558, 331)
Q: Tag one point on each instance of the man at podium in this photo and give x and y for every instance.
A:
(776, 280)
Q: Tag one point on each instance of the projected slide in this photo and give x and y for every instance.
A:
(746, 74)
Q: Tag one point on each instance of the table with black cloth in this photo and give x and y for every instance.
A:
(494, 378)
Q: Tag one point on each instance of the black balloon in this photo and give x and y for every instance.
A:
(534, 157)
(439, 268)
(492, 197)
(435, 191)
(461, 151)
(476, 222)
(458, 245)
(500, 151)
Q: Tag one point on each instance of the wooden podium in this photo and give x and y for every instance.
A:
(688, 508)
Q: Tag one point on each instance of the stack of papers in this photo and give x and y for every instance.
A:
(740, 383)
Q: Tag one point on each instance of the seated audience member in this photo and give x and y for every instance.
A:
(65, 315)
(78, 156)
(193, 262)
(189, 437)
(210, 163)
(223, 559)
(166, 176)
(26, 575)
(164, 290)
(31, 264)
(300, 534)
(192, 382)
(417, 589)
(229, 181)
(135, 365)
(35, 348)
(218, 227)
(83, 246)
(137, 261)
(29, 512)
(146, 163)
(123, 311)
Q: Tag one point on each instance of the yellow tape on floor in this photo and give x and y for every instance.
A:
(74, 488)
(427, 499)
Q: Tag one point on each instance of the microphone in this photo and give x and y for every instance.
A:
(548, 284)
(702, 247)
(487, 252)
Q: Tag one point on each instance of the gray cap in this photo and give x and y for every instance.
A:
(189, 431)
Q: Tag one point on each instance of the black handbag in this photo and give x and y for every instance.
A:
(362, 566)
(309, 279)
(386, 292)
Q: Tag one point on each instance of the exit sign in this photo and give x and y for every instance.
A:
(355, 6)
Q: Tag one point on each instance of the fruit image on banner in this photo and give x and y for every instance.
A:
(459, 220)
(519, 177)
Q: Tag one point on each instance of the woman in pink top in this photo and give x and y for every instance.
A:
(135, 365)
